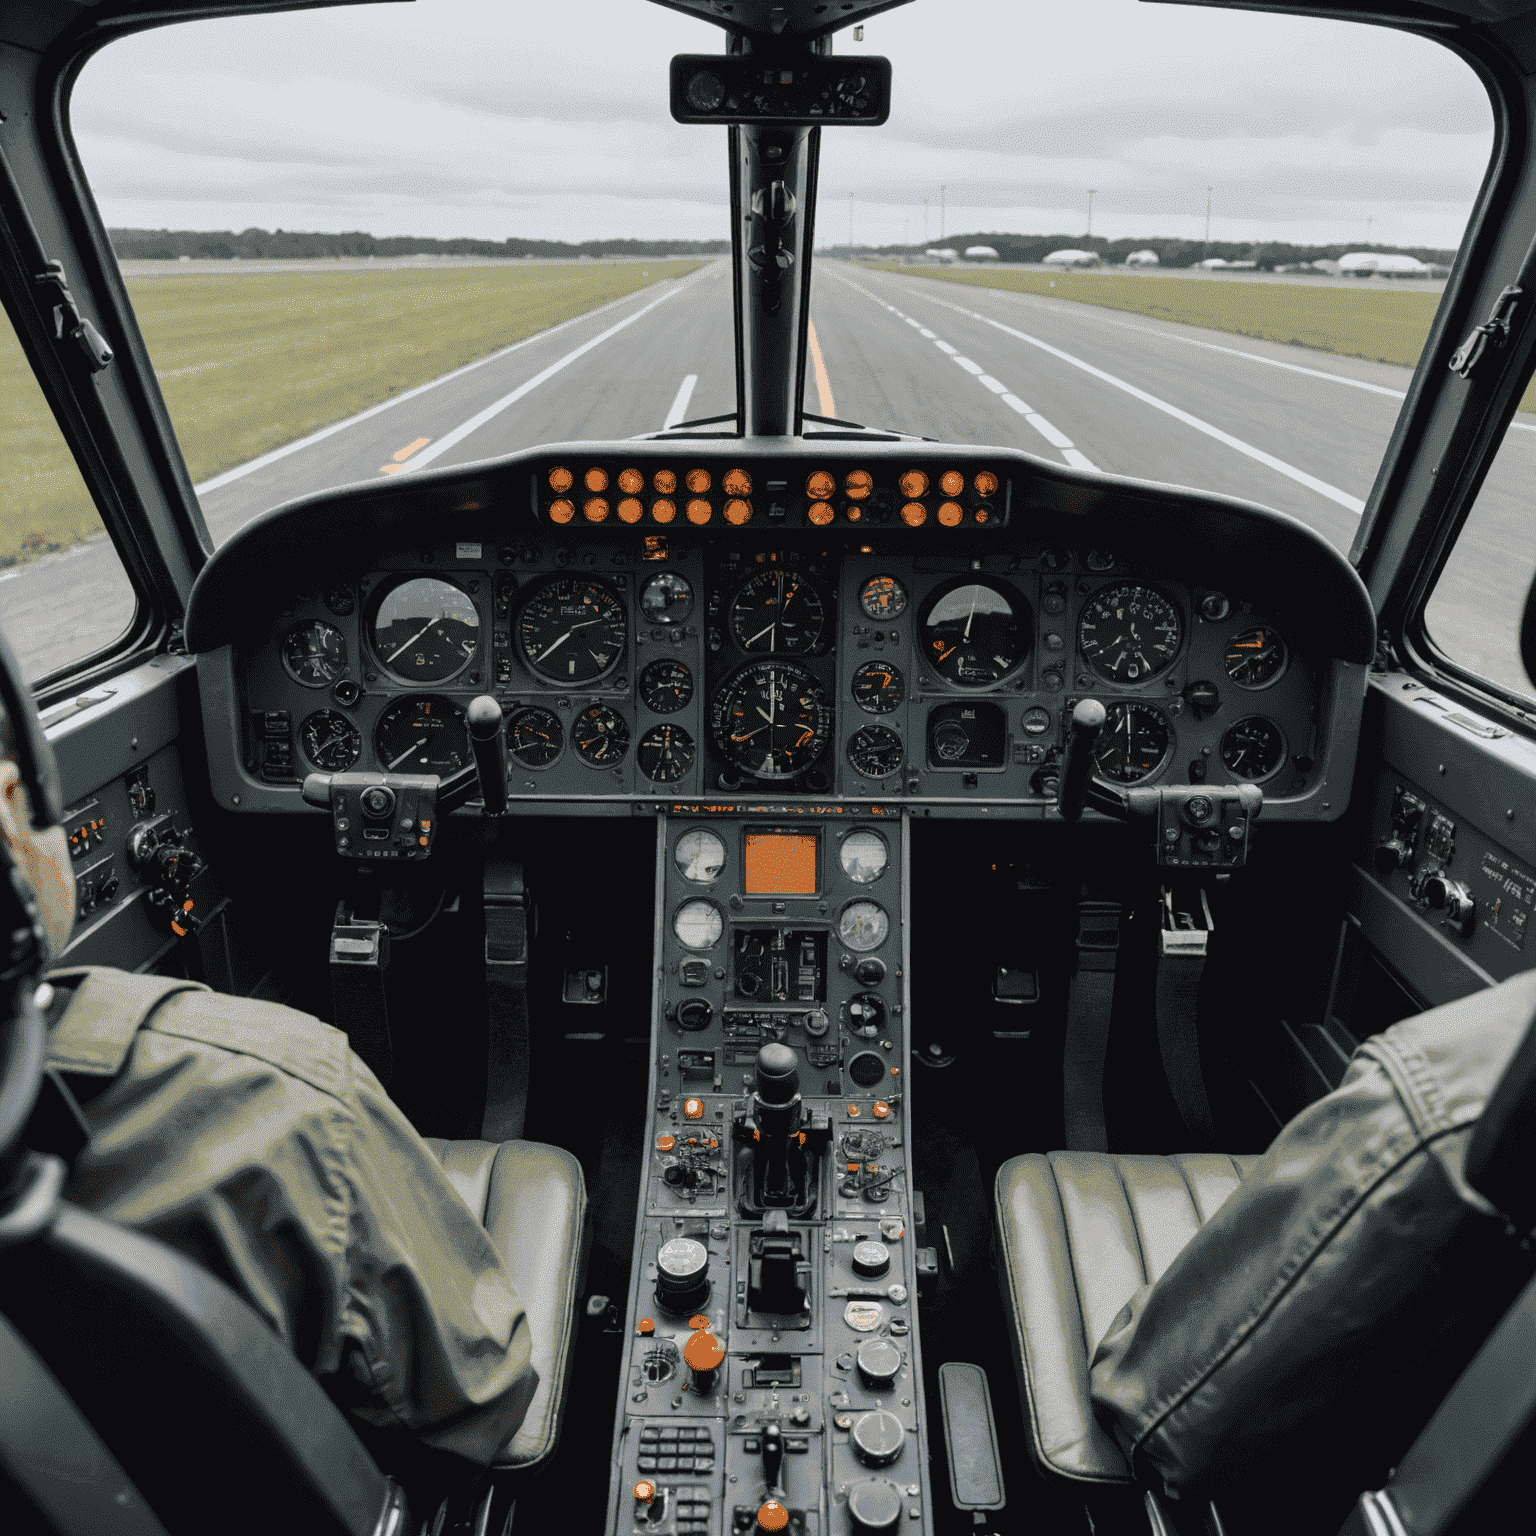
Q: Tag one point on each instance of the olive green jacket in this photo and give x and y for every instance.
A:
(249, 1137)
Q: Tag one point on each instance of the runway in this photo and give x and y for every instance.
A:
(1107, 392)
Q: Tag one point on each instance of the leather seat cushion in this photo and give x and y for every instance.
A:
(1078, 1234)
(532, 1200)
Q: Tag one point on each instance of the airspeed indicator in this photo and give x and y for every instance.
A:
(573, 630)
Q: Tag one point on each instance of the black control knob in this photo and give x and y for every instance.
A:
(874, 1507)
(682, 1276)
(817, 1023)
(877, 1438)
(778, 1074)
(879, 1363)
(870, 971)
(377, 801)
(871, 1260)
(1453, 901)
(694, 1014)
(1392, 854)
(1088, 717)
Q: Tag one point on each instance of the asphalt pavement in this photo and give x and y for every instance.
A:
(1293, 429)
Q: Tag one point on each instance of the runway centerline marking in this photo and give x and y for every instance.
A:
(819, 369)
(680, 404)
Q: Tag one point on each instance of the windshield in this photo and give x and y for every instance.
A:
(1193, 246)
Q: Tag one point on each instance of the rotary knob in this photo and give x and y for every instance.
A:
(694, 1014)
(871, 1259)
(874, 1507)
(878, 1438)
(682, 1275)
(879, 1363)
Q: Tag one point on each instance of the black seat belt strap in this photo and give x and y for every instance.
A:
(506, 993)
(1090, 1001)
(1186, 930)
(359, 973)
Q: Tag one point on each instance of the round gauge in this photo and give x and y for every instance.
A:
(666, 686)
(975, 633)
(1134, 743)
(1256, 658)
(665, 753)
(1129, 634)
(878, 687)
(535, 737)
(863, 926)
(601, 736)
(1253, 749)
(424, 734)
(699, 855)
(572, 630)
(863, 856)
(666, 598)
(314, 654)
(883, 597)
(875, 751)
(426, 630)
(777, 610)
(772, 719)
(698, 925)
(866, 1015)
(330, 741)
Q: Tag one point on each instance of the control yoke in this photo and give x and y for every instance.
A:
(1199, 826)
(488, 736)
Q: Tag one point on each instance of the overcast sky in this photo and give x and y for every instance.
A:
(492, 118)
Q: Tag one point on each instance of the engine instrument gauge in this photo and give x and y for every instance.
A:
(666, 686)
(1253, 749)
(330, 741)
(863, 925)
(535, 737)
(572, 630)
(772, 719)
(778, 610)
(314, 654)
(875, 751)
(975, 633)
(863, 856)
(425, 630)
(424, 734)
(879, 687)
(698, 924)
(1129, 634)
(1256, 657)
(883, 597)
(667, 598)
(665, 753)
(601, 736)
(700, 855)
(1135, 742)
(866, 1015)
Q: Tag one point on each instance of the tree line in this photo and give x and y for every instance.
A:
(255, 244)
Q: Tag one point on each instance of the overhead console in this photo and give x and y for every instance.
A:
(892, 623)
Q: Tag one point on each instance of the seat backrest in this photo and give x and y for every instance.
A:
(214, 1419)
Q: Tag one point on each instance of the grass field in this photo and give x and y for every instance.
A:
(249, 361)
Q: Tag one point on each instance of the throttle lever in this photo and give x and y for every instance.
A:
(488, 737)
(1077, 760)
(773, 1457)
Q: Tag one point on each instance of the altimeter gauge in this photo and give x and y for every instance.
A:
(572, 630)
(1129, 634)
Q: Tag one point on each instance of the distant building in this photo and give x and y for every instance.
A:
(1212, 263)
(942, 253)
(980, 253)
(1382, 264)
(1072, 259)
(1142, 259)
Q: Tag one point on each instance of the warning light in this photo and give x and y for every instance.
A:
(737, 482)
(985, 483)
(665, 1142)
(699, 510)
(738, 510)
(693, 1109)
(561, 511)
(663, 510)
(859, 484)
(950, 514)
(645, 1491)
(630, 510)
(855, 513)
(951, 482)
(631, 481)
(820, 485)
(983, 514)
(561, 480)
(595, 479)
(914, 514)
(821, 513)
(595, 509)
(664, 481)
(913, 483)
(698, 481)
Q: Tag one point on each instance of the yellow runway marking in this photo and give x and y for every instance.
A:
(823, 383)
(405, 453)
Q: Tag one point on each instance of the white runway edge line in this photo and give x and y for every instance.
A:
(680, 404)
(241, 470)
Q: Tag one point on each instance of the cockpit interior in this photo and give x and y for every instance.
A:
(848, 910)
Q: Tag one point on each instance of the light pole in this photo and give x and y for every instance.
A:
(1091, 191)
(942, 190)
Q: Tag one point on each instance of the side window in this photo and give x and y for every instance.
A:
(64, 595)
(1473, 613)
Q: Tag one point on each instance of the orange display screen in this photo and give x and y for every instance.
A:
(780, 864)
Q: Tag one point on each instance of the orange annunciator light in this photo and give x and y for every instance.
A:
(737, 482)
(561, 480)
(698, 481)
(738, 510)
(985, 483)
(951, 514)
(645, 1491)
(819, 485)
(664, 481)
(595, 509)
(631, 481)
(595, 479)
(821, 513)
(780, 864)
(561, 511)
(855, 513)
(699, 511)
(982, 515)
(913, 483)
(630, 510)
(951, 482)
(663, 510)
(914, 514)
(858, 484)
